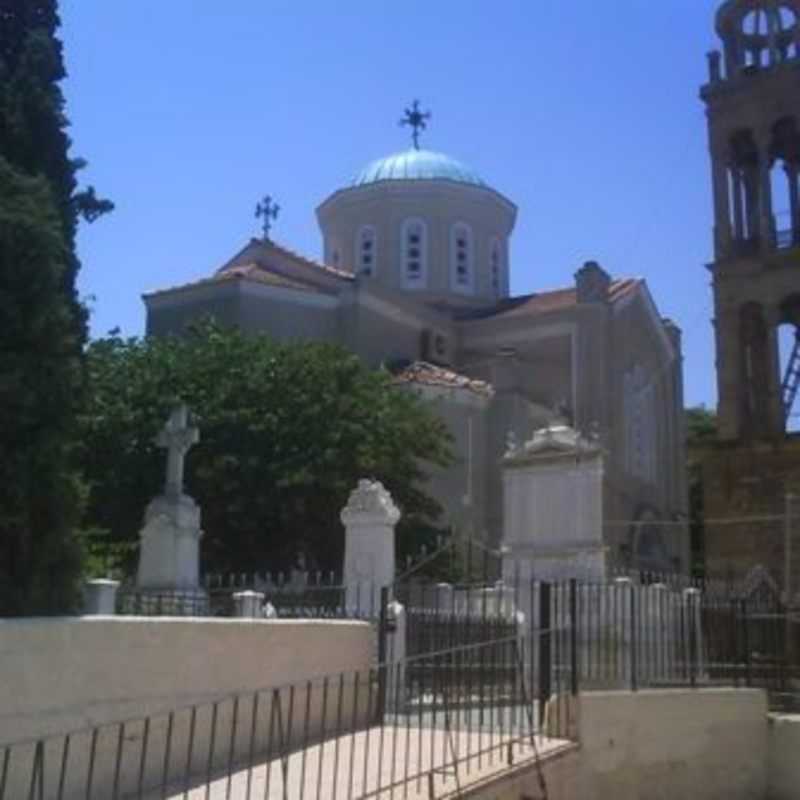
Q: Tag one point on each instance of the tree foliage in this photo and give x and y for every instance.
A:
(286, 431)
(43, 323)
(701, 429)
(701, 425)
(39, 375)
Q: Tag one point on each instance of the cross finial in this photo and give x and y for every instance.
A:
(176, 437)
(416, 119)
(269, 211)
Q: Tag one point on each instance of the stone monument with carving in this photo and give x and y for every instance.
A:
(553, 496)
(169, 553)
(369, 519)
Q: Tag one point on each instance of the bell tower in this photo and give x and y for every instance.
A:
(753, 107)
(751, 475)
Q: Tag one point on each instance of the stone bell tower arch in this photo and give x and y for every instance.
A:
(752, 100)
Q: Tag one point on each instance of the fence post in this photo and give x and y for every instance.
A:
(573, 635)
(545, 647)
(634, 640)
(748, 678)
(383, 632)
(692, 613)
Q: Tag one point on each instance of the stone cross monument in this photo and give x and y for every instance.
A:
(177, 438)
(169, 555)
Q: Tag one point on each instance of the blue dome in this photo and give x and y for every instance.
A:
(417, 165)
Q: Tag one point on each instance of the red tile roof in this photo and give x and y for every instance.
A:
(552, 300)
(426, 374)
(273, 275)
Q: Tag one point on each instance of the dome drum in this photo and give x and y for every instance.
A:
(421, 222)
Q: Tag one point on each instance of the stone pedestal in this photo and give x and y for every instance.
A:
(249, 605)
(169, 556)
(369, 519)
(553, 500)
(100, 597)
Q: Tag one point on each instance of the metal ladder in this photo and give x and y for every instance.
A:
(791, 380)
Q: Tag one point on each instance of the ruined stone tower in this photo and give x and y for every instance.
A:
(753, 107)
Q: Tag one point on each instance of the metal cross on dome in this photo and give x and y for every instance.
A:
(416, 119)
(268, 211)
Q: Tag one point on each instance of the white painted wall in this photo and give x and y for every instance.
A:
(705, 744)
(783, 766)
(63, 674)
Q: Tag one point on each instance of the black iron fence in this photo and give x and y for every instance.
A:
(415, 723)
(288, 600)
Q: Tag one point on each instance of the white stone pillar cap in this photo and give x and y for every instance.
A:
(370, 504)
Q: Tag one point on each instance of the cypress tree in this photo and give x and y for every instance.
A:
(42, 322)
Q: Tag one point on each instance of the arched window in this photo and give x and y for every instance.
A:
(462, 268)
(365, 250)
(414, 254)
(496, 266)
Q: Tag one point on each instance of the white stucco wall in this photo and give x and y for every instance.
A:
(63, 674)
(783, 735)
(705, 744)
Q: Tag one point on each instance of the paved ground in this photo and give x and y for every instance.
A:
(389, 762)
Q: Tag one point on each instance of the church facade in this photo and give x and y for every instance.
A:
(415, 278)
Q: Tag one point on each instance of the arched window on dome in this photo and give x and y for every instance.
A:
(496, 266)
(366, 246)
(414, 254)
(462, 259)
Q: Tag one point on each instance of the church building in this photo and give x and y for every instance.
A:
(415, 277)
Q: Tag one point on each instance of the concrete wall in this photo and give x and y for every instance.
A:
(62, 674)
(65, 674)
(560, 772)
(783, 764)
(660, 745)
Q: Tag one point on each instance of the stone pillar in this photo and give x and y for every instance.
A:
(249, 605)
(774, 424)
(766, 222)
(791, 177)
(722, 211)
(738, 209)
(751, 180)
(714, 66)
(444, 598)
(369, 518)
(100, 597)
(553, 496)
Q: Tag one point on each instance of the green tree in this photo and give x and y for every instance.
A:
(701, 431)
(39, 374)
(286, 430)
(42, 321)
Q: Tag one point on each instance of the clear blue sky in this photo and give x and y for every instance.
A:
(585, 114)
